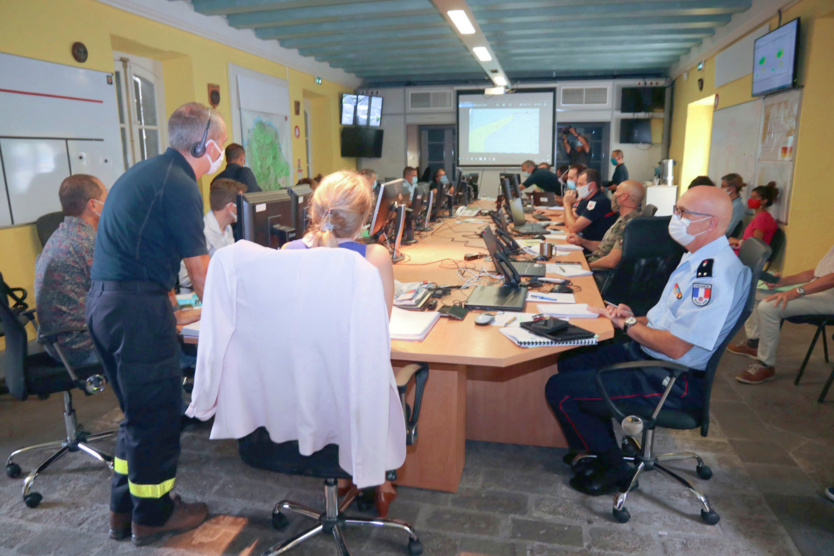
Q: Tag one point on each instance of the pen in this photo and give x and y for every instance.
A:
(629, 313)
(539, 296)
(509, 322)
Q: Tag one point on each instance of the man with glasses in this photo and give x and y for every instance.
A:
(700, 304)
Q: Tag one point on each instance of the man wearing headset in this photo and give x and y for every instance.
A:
(153, 219)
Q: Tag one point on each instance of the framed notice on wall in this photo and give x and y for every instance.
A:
(777, 147)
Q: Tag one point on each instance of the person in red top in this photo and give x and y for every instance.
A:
(763, 225)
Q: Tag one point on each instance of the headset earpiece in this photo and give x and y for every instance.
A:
(198, 150)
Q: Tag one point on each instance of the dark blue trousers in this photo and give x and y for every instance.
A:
(134, 331)
(575, 388)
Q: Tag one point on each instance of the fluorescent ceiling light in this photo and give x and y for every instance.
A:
(500, 80)
(494, 91)
(461, 21)
(482, 53)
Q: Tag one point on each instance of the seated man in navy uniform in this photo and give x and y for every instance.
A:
(708, 287)
(593, 215)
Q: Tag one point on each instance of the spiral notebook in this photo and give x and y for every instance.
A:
(570, 336)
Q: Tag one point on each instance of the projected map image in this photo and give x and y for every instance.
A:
(503, 130)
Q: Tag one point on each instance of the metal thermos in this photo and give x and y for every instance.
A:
(666, 171)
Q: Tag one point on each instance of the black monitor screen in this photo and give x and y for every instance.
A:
(361, 141)
(643, 99)
(259, 212)
(300, 195)
(375, 114)
(362, 109)
(636, 131)
(348, 109)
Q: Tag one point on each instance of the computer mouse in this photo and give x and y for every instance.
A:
(484, 319)
(539, 237)
(542, 258)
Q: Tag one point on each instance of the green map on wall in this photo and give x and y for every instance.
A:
(266, 138)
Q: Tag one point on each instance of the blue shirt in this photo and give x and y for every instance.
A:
(738, 215)
(153, 218)
(360, 248)
(701, 310)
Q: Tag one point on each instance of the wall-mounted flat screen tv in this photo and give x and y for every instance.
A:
(636, 131)
(348, 109)
(361, 142)
(774, 59)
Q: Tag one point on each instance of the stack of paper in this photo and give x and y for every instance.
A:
(411, 326)
(551, 297)
(567, 270)
(191, 330)
(555, 235)
(565, 311)
(412, 298)
(569, 247)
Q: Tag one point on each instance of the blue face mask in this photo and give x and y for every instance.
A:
(444, 180)
(413, 180)
(571, 184)
(613, 161)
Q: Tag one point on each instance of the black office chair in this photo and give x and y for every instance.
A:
(47, 224)
(40, 375)
(649, 257)
(820, 322)
(637, 419)
(649, 210)
(257, 450)
(738, 231)
(777, 245)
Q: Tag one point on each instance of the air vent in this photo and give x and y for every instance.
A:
(429, 100)
(584, 96)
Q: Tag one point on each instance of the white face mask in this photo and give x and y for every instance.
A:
(215, 164)
(583, 190)
(678, 229)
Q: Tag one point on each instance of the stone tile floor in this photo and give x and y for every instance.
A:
(771, 448)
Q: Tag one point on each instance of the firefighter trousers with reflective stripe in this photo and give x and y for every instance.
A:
(135, 335)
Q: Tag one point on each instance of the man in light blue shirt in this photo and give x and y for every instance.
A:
(701, 302)
(410, 177)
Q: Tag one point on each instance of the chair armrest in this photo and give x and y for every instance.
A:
(92, 384)
(675, 371)
(50, 335)
(420, 373)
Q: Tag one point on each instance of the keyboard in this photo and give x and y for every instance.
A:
(530, 229)
(541, 217)
(465, 211)
(527, 270)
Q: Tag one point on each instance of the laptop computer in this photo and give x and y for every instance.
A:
(520, 224)
(508, 297)
(525, 269)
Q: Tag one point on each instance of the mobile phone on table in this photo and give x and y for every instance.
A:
(453, 311)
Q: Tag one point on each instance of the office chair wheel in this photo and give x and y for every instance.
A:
(710, 517)
(415, 547)
(623, 516)
(33, 499)
(279, 521)
(12, 471)
(704, 472)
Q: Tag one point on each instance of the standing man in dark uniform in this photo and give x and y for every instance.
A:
(580, 152)
(620, 171)
(237, 170)
(152, 220)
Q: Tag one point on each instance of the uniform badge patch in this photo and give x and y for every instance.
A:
(591, 205)
(701, 294)
(678, 293)
(705, 269)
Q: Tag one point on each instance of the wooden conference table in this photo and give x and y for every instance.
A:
(481, 386)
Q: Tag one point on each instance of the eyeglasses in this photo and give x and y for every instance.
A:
(683, 213)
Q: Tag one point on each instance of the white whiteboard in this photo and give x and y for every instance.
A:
(54, 119)
(735, 142)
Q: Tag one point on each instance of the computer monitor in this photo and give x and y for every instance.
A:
(413, 217)
(517, 212)
(429, 209)
(515, 182)
(266, 217)
(462, 189)
(301, 196)
(439, 202)
(507, 191)
(399, 226)
(382, 211)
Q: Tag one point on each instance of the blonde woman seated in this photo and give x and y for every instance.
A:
(339, 207)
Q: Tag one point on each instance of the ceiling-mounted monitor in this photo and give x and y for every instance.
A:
(375, 113)
(362, 109)
(348, 109)
(774, 59)
(642, 99)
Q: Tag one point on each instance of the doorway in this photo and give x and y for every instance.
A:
(140, 97)
(697, 139)
(437, 149)
(596, 133)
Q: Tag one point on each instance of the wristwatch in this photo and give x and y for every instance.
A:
(801, 291)
(629, 322)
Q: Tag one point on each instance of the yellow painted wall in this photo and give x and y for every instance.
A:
(697, 139)
(45, 30)
(808, 237)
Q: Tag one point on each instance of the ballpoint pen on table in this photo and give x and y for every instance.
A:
(509, 322)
